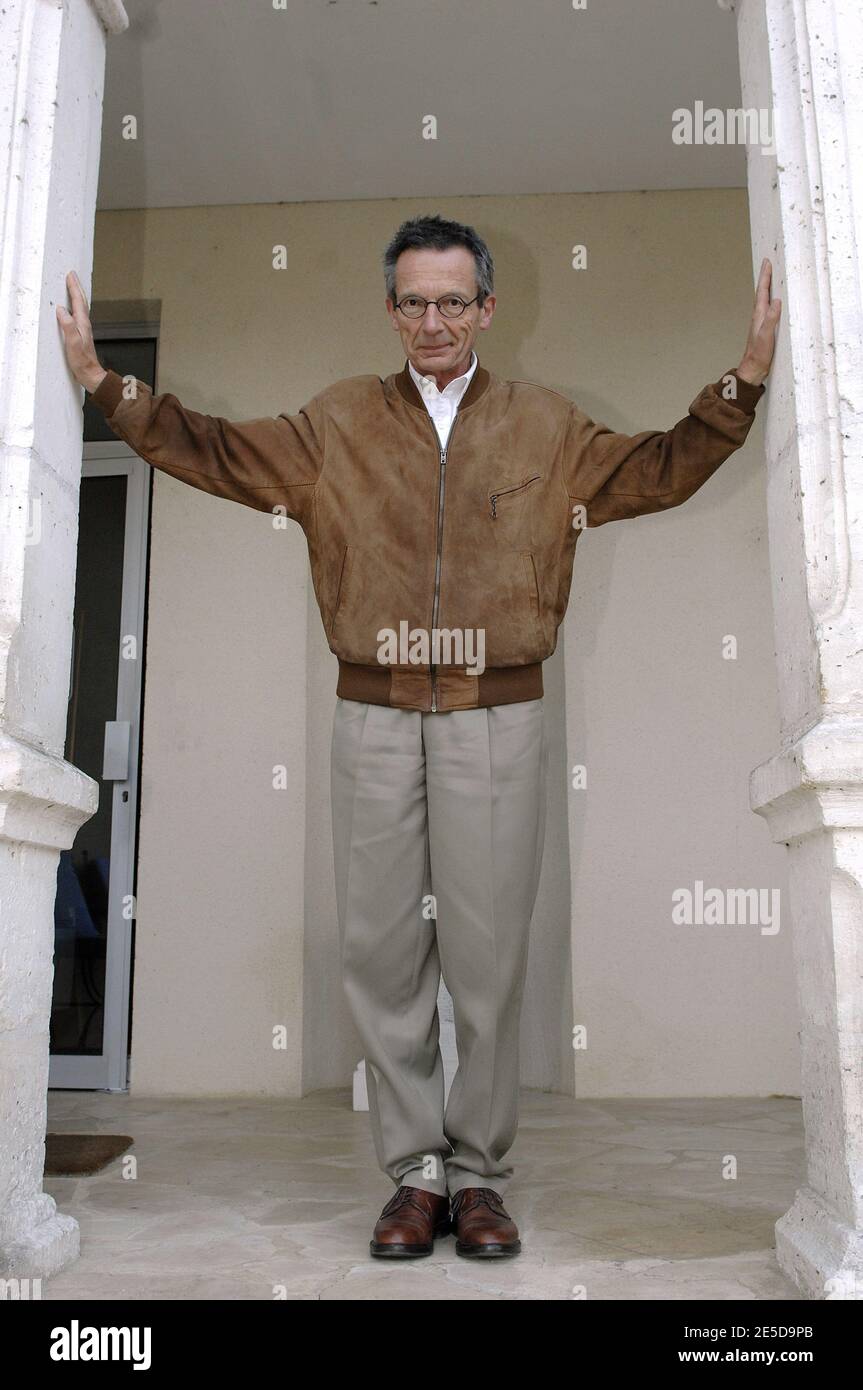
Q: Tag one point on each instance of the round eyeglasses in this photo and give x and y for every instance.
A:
(452, 306)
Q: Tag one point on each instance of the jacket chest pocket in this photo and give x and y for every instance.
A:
(507, 499)
(510, 512)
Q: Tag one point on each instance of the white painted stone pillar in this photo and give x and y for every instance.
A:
(804, 59)
(51, 77)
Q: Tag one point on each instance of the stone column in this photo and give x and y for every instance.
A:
(803, 59)
(52, 99)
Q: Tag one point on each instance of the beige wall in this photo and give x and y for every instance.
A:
(236, 924)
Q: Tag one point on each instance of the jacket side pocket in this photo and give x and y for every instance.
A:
(532, 583)
(342, 589)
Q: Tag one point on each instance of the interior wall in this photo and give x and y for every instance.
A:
(237, 926)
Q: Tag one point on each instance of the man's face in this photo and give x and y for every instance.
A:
(438, 346)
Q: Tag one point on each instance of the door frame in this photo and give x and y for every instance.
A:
(110, 1070)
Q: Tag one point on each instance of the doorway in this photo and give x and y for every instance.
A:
(94, 907)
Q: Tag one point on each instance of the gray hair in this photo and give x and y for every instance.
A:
(439, 234)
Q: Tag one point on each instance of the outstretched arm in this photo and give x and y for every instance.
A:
(609, 476)
(271, 464)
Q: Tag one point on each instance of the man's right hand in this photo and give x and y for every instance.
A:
(78, 337)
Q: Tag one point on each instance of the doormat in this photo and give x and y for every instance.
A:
(83, 1153)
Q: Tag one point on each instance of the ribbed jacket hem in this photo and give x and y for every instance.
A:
(411, 687)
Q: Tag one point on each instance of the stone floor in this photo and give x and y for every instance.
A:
(619, 1199)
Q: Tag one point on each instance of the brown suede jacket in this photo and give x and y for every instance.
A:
(422, 556)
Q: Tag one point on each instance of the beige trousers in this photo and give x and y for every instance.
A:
(451, 805)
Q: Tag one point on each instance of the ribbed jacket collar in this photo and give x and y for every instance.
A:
(477, 387)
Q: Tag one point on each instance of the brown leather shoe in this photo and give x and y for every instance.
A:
(483, 1227)
(409, 1223)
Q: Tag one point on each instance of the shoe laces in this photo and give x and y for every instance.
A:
(486, 1195)
(406, 1196)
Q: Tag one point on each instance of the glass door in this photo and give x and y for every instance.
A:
(94, 909)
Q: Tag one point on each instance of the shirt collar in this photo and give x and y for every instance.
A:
(455, 388)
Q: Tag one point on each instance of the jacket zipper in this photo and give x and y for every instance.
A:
(504, 490)
(443, 453)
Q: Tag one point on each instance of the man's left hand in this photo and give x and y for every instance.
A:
(758, 353)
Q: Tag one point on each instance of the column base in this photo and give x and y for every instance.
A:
(818, 1251)
(51, 1243)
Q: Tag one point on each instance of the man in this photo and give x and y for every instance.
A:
(442, 506)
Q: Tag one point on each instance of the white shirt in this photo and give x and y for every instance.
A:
(443, 405)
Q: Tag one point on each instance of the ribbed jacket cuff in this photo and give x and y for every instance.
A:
(108, 393)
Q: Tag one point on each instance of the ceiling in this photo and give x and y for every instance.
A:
(239, 102)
